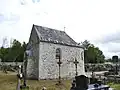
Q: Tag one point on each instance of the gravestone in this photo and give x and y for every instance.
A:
(81, 82)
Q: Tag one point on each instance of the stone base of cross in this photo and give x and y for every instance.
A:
(59, 64)
(59, 83)
(22, 87)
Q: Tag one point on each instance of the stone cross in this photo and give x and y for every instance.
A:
(76, 62)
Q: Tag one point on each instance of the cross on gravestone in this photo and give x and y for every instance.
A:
(76, 62)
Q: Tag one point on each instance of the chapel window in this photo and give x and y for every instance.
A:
(58, 53)
(82, 55)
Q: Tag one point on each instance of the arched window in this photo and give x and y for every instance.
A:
(58, 53)
(82, 55)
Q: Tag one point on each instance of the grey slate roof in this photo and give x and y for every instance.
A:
(54, 36)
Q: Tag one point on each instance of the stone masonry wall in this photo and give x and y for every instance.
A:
(33, 61)
(48, 67)
(32, 67)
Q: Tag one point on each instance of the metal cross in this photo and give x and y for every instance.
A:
(64, 28)
(59, 63)
(76, 62)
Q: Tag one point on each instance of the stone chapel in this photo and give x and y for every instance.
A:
(44, 45)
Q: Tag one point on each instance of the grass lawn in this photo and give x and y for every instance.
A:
(9, 82)
(115, 86)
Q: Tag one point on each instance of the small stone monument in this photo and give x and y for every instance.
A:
(93, 79)
(80, 83)
(0, 60)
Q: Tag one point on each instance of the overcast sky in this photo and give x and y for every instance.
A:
(95, 20)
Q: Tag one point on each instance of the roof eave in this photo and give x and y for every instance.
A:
(62, 44)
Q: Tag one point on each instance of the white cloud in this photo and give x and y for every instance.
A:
(83, 19)
(112, 37)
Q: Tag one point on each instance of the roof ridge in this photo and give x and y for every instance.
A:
(49, 28)
(47, 34)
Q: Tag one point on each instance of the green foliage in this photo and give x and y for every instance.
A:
(92, 54)
(4, 53)
(108, 60)
(13, 53)
(112, 60)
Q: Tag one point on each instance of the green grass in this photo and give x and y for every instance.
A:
(115, 86)
(9, 82)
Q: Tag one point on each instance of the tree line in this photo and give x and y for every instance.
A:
(15, 53)
(114, 59)
(92, 54)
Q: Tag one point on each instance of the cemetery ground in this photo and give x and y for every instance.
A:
(9, 82)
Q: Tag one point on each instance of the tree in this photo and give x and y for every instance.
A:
(108, 60)
(86, 44)
(23, 49)
(99, 55)
(15, 53)
(24, 45)
(18, 50)
(92, 54)
(3, 53)
(3, 50)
